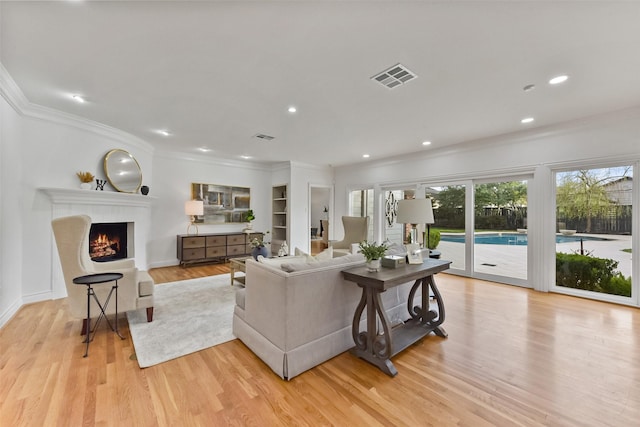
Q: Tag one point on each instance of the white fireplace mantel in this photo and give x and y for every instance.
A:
(93, 197)
(101, 206)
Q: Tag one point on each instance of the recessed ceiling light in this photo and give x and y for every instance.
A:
(365, 156)
(558, 79)
(292, 109)
(204, 149)
(526, 120)
(164, 132)
(78, 98)
(246, 157)
(426, 142)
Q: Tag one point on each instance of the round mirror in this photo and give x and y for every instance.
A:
(123, 171)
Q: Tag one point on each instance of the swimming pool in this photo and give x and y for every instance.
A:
(517, 239)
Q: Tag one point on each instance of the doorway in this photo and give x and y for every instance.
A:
(320, 207)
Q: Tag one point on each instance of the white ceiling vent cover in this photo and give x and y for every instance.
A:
(394, 76)
(264, 137)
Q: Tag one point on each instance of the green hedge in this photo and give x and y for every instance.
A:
(591, 274)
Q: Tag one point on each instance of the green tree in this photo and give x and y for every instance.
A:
(582, 194)
(509, 194)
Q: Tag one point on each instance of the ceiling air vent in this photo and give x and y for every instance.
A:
(394, 76)
(264, 137)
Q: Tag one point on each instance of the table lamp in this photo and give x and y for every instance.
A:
(193, 208)
(414, 212)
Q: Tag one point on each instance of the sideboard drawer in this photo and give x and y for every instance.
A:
(193, 242)
(236, 250)
(190, 254)
(216, 240)
(216, 251)
(236, 239)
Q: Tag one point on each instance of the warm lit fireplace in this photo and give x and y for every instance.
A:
(108, 241)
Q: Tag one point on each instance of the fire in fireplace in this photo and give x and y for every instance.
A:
(108, 241)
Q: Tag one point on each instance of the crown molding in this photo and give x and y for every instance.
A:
(216, 161)
(12, 93)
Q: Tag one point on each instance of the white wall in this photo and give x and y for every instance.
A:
(173, 175)
(11, 223)
(302, 175)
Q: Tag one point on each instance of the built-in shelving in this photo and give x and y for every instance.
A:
(279, 218)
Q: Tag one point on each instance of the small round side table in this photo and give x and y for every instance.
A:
(94, 279)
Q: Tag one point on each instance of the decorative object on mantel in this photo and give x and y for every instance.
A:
(284, 249)
(258, 246)
(123, 171)
(193, 208)
(144, 190)
(373, 254)
(86, 178)
(250, 217)
(100, 184)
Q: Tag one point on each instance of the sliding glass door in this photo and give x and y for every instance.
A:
(500, 231)
(593, 232)
(447, 235)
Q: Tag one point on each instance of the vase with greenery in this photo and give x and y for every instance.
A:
(258, 246)
(86, 178)
(373, 253)
(249, 216)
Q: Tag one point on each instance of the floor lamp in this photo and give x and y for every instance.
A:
(414, 212)
(193, 208)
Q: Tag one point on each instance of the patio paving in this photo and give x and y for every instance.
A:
(511, 260)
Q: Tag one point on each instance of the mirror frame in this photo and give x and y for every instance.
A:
(114, 183)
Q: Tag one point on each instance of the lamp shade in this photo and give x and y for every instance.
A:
(194, 207)
(415, 211)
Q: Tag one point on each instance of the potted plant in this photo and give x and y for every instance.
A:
(373, 253)
(250, 217)
(86, 178)
(258, 245)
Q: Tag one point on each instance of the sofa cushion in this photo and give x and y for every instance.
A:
(302, 266)
(277, 262)
(145, 284)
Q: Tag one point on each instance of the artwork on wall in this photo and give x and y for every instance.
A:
(222, 203)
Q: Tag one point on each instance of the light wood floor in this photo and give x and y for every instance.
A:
(514, 357)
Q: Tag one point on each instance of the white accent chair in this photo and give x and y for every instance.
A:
(135, 289)
(355, 231)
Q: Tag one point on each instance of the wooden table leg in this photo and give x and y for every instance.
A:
(423, 312)
(371, 346)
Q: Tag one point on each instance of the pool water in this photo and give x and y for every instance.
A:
(512, 239)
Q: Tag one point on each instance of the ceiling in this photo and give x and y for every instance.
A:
(215, 74)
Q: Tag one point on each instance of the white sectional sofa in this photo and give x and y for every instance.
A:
(297, 319)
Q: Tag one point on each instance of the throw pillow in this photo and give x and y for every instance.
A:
(325, 255)
(308, 258)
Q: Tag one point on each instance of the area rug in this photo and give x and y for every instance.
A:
(189, 316)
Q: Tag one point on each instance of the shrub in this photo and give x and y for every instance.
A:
(591, 274)
(618, 285)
